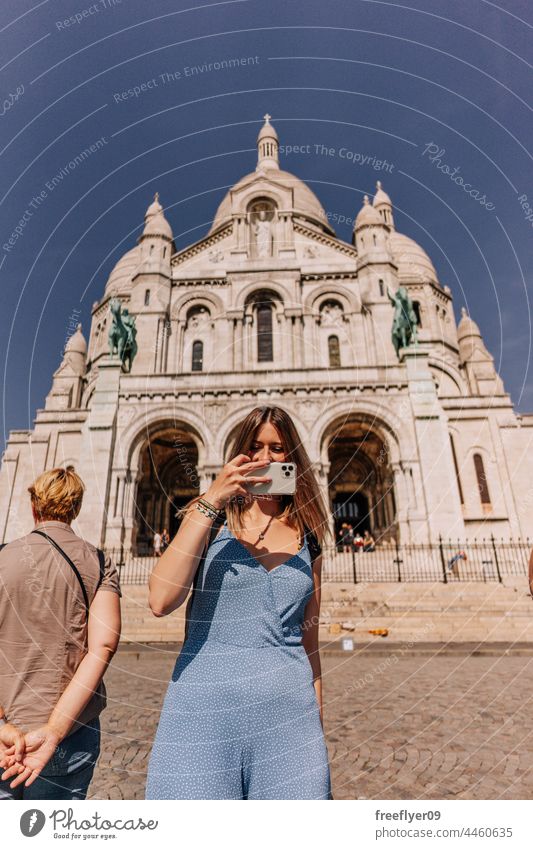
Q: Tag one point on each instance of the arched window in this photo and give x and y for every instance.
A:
(197, 355)
(481, 479)
(374, 239)
(381, 287)
(416, 307)
(147, 297)
(334, 352)
(264, 333)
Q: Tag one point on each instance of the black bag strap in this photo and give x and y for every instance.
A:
(101, 563)
(315, 549)
(212, 534)
(72, 566)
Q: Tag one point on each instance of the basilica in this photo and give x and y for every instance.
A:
(271, 307)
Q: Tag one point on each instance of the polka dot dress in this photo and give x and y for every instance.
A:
(240, 718)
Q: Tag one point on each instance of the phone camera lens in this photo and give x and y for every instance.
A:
(284, 468)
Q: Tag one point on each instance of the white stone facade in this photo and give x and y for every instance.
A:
(270, 307)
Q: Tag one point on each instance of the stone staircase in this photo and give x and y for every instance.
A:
(429, 612)
(411, 612)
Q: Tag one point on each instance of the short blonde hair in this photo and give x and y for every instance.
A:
(57, 495)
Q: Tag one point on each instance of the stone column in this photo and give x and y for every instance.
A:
(130, 509)
(205, 477)
(247, 354)
(97, 444)
(291, 335)
(180, 345)
(8, 474)
(114, 532)
(308, 359)
(444, 513)
(402, 503)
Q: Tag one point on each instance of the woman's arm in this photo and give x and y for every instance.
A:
(173, 574)
(174, 571)
(310, 632)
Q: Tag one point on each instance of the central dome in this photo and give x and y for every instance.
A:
(304, 203)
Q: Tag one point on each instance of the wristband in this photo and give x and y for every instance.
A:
(209, 506)
(206, 511)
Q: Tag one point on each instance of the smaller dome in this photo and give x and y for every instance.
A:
(158, 225)
(267, 131)
(120, 278)
(467, 326)
(76, 344)
(381, 197)
(155, 223)
(412, 260)
(367, 215)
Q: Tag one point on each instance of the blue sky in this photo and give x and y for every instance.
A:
(379, 80)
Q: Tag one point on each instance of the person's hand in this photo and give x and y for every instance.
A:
(11, 744)
(231, 480)
(40, 745)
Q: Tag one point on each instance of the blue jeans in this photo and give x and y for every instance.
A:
(68, 773)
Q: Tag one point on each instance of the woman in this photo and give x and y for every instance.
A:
(242, 716)
(369, 543)
(59, 628)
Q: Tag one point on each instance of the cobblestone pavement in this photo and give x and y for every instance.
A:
(399, 725)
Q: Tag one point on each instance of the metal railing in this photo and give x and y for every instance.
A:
(446, 561)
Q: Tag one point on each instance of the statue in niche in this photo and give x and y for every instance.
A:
(331, 314)
(262, 230)
(198, 318)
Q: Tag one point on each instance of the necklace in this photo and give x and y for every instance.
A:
(263, 532)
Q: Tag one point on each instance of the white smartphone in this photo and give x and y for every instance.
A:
(283, 479)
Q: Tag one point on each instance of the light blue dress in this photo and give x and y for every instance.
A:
(240, 719)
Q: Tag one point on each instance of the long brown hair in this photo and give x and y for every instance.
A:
(305, 510)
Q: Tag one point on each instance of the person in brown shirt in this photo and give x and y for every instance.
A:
(59, 629)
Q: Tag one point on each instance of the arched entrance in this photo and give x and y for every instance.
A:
(361, 483)
(168, 480)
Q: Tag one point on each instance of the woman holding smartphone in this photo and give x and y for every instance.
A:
(242, 716)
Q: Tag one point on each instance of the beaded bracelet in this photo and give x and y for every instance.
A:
(206, 512)
(209, 506)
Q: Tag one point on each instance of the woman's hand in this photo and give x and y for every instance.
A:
(232, 479)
